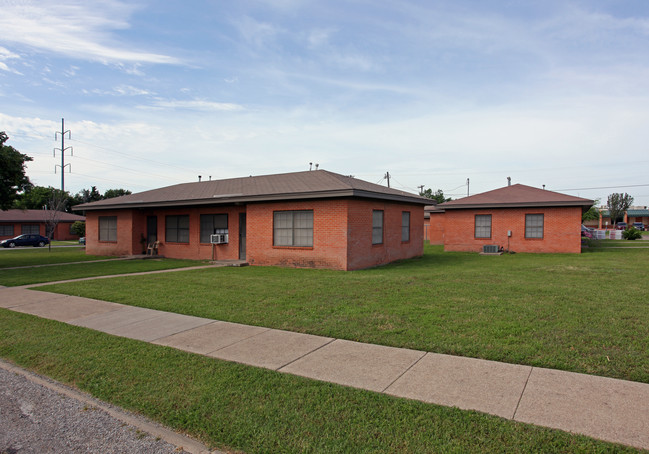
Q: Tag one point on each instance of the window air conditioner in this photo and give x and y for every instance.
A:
(219, 238)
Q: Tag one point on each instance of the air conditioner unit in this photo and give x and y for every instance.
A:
(219, 238)
(490, 249)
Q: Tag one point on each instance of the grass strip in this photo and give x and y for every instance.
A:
(26, 276)
(41, 256)
(257, 410)
(585, 313)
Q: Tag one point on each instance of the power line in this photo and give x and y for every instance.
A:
(605, 187)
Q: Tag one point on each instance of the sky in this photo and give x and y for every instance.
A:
(435, 93)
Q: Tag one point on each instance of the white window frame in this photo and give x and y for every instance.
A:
(293, 228)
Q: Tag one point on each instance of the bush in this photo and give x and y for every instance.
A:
(631, 233)
(78, 228)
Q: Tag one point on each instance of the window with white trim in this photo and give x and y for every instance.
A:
(483, 226)
(177, 229)
(108, 228)
(293, 228)
(377, 227)
(533, 226)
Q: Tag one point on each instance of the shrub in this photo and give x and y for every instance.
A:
(78, 228)
(631, 233)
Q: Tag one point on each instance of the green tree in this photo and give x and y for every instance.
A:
(78, 228)
(438, 195)
(592, 214)
(87, 196)
(618, 204)
(111, 193)
(40, 197)
(12, 173)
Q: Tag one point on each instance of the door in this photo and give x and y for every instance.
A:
(242, 236)
(151, 229)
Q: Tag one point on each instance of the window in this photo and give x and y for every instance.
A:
(405, 226)
(107, 228)
(483, 226)
(377, 227)
(533, 226)
(177, 229)
(30, 229)
(211, 222)
(293, 228)
(6, 230)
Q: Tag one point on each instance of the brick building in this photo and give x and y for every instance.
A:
(518, 218)
(21, 222)
(312, 219)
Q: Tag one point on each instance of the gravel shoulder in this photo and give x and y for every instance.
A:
(39, 415)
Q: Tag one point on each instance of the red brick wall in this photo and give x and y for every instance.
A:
(362, 253)
(329, 235)
(435, 229)
(561, 230)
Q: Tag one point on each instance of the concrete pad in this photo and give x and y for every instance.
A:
(466, 383)
(11, 297)
(271, 349)
(365, 366)
(111, 321)
(67, 308)
(163, 324)
(600, 407)
(208, 338)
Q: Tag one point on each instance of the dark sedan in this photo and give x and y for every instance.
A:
(25, 240)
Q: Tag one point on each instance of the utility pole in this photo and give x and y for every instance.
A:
(421, 189)
(467, 187)
(62, 150)
(387, 176)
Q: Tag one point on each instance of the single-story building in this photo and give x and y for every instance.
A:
(310, 219)
(632, 215)
(517, 218)
(35, 222)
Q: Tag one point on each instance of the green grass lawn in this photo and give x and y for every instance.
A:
(232, 406)
(584, 313)
(29, 256)
(24, 276)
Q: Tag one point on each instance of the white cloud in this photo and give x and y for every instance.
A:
(6, 55)
(196, 104)
(77, 29)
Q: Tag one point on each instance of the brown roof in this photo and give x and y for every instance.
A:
(287, 186)
(36, 216)
(517, 195)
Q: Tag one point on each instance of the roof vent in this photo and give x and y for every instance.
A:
(509, 181)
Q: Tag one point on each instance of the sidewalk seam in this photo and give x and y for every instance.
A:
(306, 354)
(404, 372)
(513, 418)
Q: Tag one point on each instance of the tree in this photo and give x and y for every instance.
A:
(12, 173)
(39, 197)
(111, 193)
(438, 196)
(55, 206)
(87, 196)
(78, 228)
(592, 214)
(618, 204)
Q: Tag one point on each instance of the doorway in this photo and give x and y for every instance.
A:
(151, 229)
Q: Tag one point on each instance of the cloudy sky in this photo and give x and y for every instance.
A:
(552, 93)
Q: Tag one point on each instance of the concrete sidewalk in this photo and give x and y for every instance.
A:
(599, 407)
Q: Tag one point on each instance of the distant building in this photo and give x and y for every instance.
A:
(20, 222)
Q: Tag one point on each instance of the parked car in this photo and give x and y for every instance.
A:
(621, 226)
(639, 226)
(25, 240)
(587, 232)
(82, 240)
